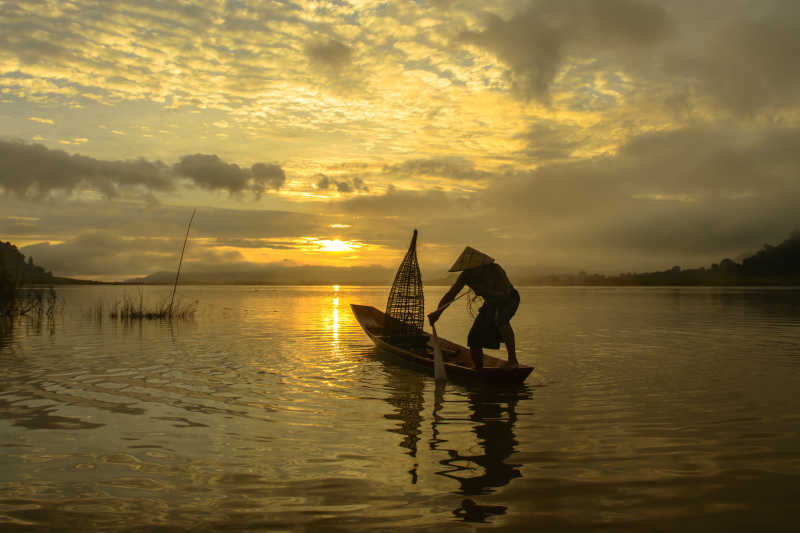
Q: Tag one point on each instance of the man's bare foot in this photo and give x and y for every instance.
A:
(511, 364)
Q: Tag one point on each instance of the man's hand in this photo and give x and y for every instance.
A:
(433, 317)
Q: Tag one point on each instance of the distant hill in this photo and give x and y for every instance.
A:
(14, 266)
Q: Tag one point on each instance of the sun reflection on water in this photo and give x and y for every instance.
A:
(335, 316)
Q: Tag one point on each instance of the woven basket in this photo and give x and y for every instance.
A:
(405, 309)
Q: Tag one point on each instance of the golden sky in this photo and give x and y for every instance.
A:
(604, 135)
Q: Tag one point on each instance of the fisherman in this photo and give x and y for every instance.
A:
(488, 280)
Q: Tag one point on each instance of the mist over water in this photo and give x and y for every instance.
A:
(649, 408)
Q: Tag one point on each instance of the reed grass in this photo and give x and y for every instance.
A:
(131, 308)
(37, 303)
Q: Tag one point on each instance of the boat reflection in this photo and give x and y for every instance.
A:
(408, 401)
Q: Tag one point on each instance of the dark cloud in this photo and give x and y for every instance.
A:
(536, 42)
(33, 170)
(267, 177)
(326, 183)
(223, 224)
(738, 57)
(129, 219)
(328, 55)
(210, 172)
(404, 203)
(103, 253)
(551, 140)
(749, 63)
(259, 244)
(122, 239)
(35, 39)
(456, 168)
(688, 196)
(333, 63)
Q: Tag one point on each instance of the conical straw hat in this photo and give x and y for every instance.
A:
(470, 258)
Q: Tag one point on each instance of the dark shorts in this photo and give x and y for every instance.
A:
(485, 330)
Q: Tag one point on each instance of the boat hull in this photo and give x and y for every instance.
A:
(458, 360)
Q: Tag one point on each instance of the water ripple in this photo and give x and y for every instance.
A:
(649, 409)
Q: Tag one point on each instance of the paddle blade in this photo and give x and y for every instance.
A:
(439, 371)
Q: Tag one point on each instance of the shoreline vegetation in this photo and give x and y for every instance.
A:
(26, 290)
(22, 291)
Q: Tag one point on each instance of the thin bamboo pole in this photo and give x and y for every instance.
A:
(180, 262)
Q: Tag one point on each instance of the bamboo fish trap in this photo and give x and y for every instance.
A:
(405, 308)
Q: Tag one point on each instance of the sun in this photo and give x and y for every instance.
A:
(335, 245)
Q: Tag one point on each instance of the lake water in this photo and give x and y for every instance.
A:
(649, 409)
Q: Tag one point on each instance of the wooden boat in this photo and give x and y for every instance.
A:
(457, 359)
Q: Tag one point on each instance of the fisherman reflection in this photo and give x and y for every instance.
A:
(494, 413)
(472, 512)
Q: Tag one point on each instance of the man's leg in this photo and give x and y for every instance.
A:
(508, 337)
(477, 356)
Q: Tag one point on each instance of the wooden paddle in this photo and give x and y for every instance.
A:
(439, 372)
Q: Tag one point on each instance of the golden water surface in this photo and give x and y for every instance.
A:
(649, 409)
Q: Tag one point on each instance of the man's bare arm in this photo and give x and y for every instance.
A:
(448, 297)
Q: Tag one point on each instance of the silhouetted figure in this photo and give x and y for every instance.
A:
(488, 280)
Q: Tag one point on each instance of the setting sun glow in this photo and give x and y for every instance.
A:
(336, 245)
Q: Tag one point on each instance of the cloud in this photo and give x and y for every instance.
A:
(537, 42)
(125, 239)
(29, 220)
(210, 172)
(102, 253)
(747, 64)
(549, 140)
(105, 255)
(327, 183)
(693, 106)
(33, 170)
(267, 176)
(328, 55)
(404, 203)
(334, 62)
(738, 58)
(688, 195)
(456, 168)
